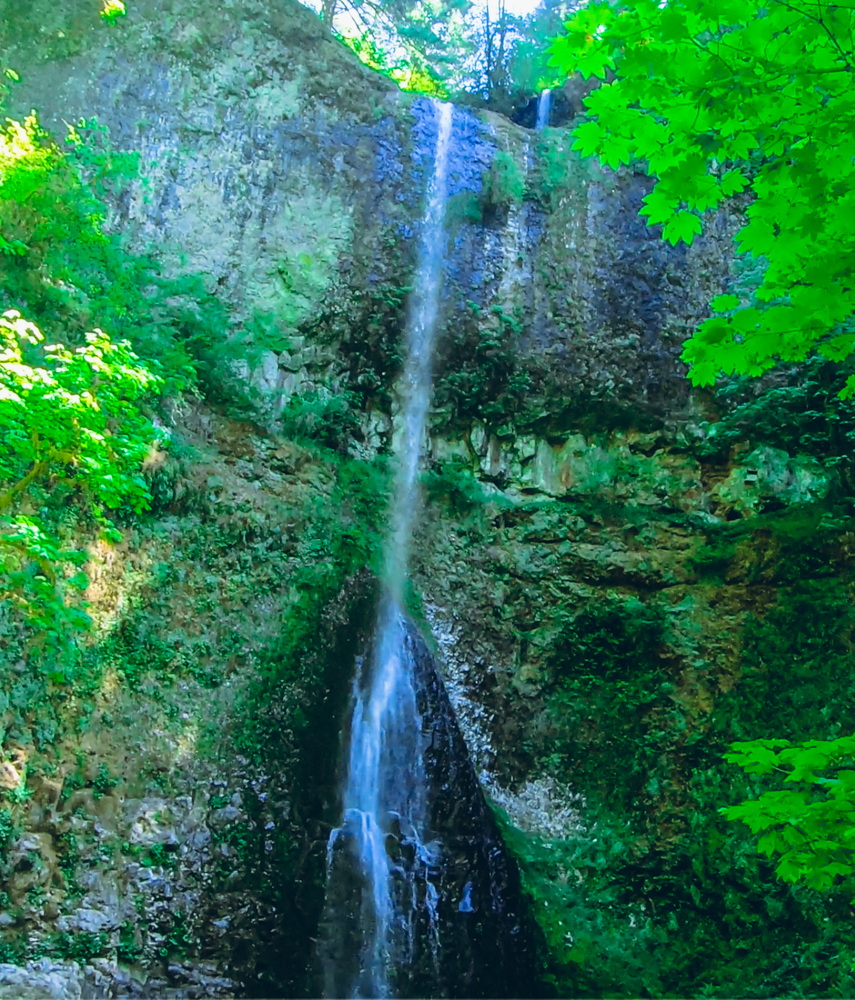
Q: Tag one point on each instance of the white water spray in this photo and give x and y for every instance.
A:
(544, 104)
(385, 789)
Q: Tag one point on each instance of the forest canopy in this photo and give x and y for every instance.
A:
(484, 53)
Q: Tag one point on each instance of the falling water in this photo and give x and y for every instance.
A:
(544, 103)
(385, 804)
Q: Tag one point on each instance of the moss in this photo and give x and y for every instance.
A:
(504, 182)
(667, 899)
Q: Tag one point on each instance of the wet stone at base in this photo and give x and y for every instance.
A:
(462, 911)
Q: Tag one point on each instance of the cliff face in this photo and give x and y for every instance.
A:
(289, 178)
(614, 588)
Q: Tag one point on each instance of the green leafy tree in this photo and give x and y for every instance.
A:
(529, 64)
(71, 425)
(74, 436)
(506, 62)
(494, 35)
(809, 823)
(59, 267)
(416, 42)
(739, 96)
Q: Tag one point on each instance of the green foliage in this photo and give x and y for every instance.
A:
(529, 69)
(70, 415)
(68, 276)
(322, 417)
(798, 668)
(603, 647)
(70, 418)
(177, 938)
(12, 952)
(810, 822)
(82, 946)
(68, 860)
(504, 182)
(7, 830)
(112, 11)
(127, 949)
(72, 400)
(803, 417)
(607, 681)
(798, 672)
(409, 73)
(453, 483)
(415, 42)
(20, 793)
(103, 783)
(661, 895)
(137, 651)
(481, 378)
(158, 856)
(554, 162)
(341, 534)
(730, 98)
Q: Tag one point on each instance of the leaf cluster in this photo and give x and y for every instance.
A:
(415, 43)
(76, 433)
(808, 825)
(801, 416)
(70, 418)
(60, 269)
(721, 99)
(322, 417)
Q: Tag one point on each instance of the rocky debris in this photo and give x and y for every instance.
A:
(9, 776)
(42, 980)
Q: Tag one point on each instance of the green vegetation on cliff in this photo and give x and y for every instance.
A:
(635, 687)
(748, 97)
(72, 417)
(653, 584)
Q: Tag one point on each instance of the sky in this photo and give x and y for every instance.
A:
(517, 7)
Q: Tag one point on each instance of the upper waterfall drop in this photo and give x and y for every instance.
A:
(544, 105)
(421, 328)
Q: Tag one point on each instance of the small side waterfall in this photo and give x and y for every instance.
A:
(544, 105)
(420, 899)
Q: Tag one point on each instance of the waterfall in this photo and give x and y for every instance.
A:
(544, 103)
(417, 373)
(377, 857)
